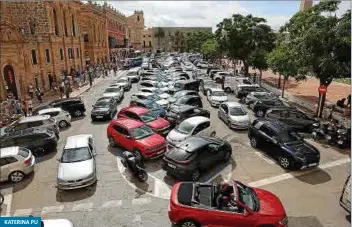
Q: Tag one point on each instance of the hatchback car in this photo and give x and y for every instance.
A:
(104, 108)
(234, 115)
(197, 154)
(191, 100)
(259, 96)
(77, 164)
(137, 137)
(206, 84)
(191, 126)
(133, 75)
(125, 83)
(62, 117)
(158, 110)
(115, 92)
(74, 106)
(260, 107)
(196, 204)
(216, 96)
(283, 144)
(158, 124)
(177, 114)
(15, 163)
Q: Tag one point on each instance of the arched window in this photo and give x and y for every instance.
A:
(65, 25)
(138, 18)
(73, 26)
(56, 27)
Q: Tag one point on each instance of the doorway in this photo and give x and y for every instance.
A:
(10, 79)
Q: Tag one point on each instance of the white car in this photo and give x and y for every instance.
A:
(216, 96)
(62, 117)
(234, 115)
(57, 223)
(219, 76)
(116, 92)
(124, 82)
(254, 96)
(77, 168)
(192, 126)
(133, 75)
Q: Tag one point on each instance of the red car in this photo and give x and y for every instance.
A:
(136, 136)
(195, 204)
(158, 124)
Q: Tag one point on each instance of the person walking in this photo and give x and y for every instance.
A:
(39, 94)
(67, 89)
(90, 79)
(24, 107)
(62, 89)
(31, 90)
(51, 80)
(348, 101)
(29, 106)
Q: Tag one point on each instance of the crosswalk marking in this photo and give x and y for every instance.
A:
(53, 209)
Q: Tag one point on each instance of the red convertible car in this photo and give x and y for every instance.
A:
(196, 204)
(158, 124)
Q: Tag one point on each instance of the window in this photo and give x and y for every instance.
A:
(61, 54)
(77, 52)
(65, 25)
(149, 36)
(47, 55)
(120, 130)
(268, 131)
(70, 54)
(143, 43)
(55, 23)
(7, 160)
(224, 107)
(73, 26)
(131, 115)
(138, 18)
(143, 36)
(34, 57)
(35, 124)
(85, 37)
(150, 43)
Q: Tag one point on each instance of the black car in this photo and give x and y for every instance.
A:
(39, 140)
(190, 158)
(74, 106)
(180, 94)
(104, 108)
(192, 100)
(283, 144)
(186, 85)
(243, 91)
(296, 119)
(260, 107)
(177, 114)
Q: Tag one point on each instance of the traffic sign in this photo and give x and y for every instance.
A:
(322, 89)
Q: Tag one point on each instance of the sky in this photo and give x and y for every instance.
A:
(210, 13)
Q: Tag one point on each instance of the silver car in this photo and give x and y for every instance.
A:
(15, 163)
(233, 114)
(77, 168)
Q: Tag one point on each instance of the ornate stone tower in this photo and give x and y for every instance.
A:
(135, 23)
(305, 5)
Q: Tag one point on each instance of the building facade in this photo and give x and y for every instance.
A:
(147, 40)
(116, 25)
(136, 26)
(39, 40)
(305, 5)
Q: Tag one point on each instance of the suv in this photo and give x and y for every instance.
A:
(74, 106)
(135, 136)
(186, 85)
(177, 114)
(40, 121)
(15, 163)
(192, 100)
(62, 117)
(39, 141)
(283, 144)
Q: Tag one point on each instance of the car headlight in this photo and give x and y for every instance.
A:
(284, 221)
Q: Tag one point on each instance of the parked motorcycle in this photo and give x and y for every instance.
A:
(327, 131)
(135, 165)
(1, 199)
(344, 138)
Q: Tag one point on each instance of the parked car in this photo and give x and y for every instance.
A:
(124, 82)
(132, 75)
(15, 163)
(39, 140)
(234, 115)
(115, 92)
(212, 72)
(187, 85)
(252, 97)
(177, 114)
(62, 117)
(283, 144)
(151, 105)
(104, 108)
(136, 136)
(260, 107)
(77, 164)
(345, 198)
(216, 96)
(206, 85)
(74, 106)
(219, 76)
(296, 119)
(242, 90)
(197, 125)
(180, 94)
(158, 124)
(197, 154)
(197, 204)
(192, 100)
(40, 121)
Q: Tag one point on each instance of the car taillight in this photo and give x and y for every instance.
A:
(28, 161)
(184, 162)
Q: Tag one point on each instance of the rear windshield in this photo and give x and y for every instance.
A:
(23, 152)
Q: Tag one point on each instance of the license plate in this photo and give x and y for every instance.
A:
(99, 116)
(312, 164)
(171, 166)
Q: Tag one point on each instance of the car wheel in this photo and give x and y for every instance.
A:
(259, 113)
(38, 151)
(254, 142)
(188, 223)
(212, 134)
(314, 136)
(285, 162)
(195, 175)
(111, 141)
(16, 176)
(63, 124)
(77, 113)
(227, 156)
(228, 89)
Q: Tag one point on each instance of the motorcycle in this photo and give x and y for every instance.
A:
(135, 165)
(326, 131)
(344, 138)
(1, 199)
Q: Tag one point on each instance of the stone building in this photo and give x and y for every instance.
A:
(305, 5)
(116, 25)
(147, 39)
(38, 41)
(135, 24)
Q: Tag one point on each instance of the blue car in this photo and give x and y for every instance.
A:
(151, 105)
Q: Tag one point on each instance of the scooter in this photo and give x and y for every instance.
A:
(326, 131)
(135, 165)
(344, 138)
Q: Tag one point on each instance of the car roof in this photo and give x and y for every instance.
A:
(9, 151)
(233, 104)
(190, 96)
(77, 141)
(33, 118)
(49, 110)
(65, 100)
(197, 120)
(137, 110)
(128, 123)
(182, 108)
(274, 124)
(193, 143)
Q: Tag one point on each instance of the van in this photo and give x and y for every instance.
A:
(187, 85)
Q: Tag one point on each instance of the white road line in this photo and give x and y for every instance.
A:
(286, 176)
(8, 202)
(23, 212)
(141, 201)
(83, 207)
(112, 203)
(53, 209)
(268, 160)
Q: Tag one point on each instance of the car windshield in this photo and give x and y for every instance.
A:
(75, 155)
(289, 137)
(112, 89)
(101, 103)
(178, 94)
(237, 111)
(141, 132)
(219, 93)
(122, 81)
(148, 117)
(185, 127)
(248, 196)
(152, 105)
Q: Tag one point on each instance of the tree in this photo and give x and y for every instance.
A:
(209, 48)
(245, 38)
(321, 43)
(195, 40)
(159, 34)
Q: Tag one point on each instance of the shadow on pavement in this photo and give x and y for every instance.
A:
(348, 218)
(101, 122)
(73, 119)
(75, 194)
(318, 176)
(309, 221)
(46, 157)
(22, 185)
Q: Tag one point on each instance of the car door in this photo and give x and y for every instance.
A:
(269, 136)
(208, 156)
(93, 151)
(223, 112)
(7, 166)
(120, 135)
(226, 218)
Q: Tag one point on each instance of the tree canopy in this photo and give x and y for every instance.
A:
(209, 48)
(195, 40)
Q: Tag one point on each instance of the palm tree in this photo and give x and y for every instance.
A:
(160, 33)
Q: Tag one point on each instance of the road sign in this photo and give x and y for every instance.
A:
(322, 89)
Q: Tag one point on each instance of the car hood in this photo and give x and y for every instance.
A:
(301, 149)
(100, 109)
(219, 98)
(270, 204)
(151, 141)
(176, 136)
(162, 102)
(75, 170)
(244, 118)
(111, 94)
(159, 123)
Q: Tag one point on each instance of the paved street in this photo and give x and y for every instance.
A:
(311, 198)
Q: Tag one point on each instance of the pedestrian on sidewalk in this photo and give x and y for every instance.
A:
(39, 94)
(29, 105)
(62, 89)
(348, 101)
(24, 107)
(67, 89)
(51, 80)
(90, 79)
(31, 90)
